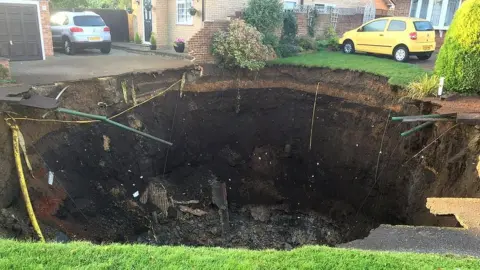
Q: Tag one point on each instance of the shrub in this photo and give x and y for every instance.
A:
(240, 47)
(306, 43)
(4, 73)
(265, 15)
(153, 40)
(287, 49)
(270, 39)
(290, 27)
(331, 39)
(459, 57)
(138, 40)
(426, 86)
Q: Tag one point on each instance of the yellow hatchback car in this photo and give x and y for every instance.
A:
(396, 36)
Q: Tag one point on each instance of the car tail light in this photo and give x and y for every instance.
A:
(76, 29)
(106, 29)
(413, 36)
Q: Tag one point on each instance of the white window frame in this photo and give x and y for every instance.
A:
(325, 6)
(443, 12)
(291, 1)
(188, 17)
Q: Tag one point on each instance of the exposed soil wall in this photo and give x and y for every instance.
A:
(251, 132)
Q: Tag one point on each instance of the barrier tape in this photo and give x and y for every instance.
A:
(21, 177)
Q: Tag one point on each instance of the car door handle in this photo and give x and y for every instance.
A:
(381, 35)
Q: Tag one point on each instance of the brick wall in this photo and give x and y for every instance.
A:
(222, 9)
(160, 15)
(181, 30)
(302, 24)
(344, 23)
(440, 38)
(402, 8)
(199, 46)
(348, 22)
(47, 34)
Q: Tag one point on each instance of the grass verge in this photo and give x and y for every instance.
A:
(81, 255)
(398, 73)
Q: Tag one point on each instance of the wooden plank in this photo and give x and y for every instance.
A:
(469, 118)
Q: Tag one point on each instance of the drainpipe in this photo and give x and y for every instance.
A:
(203, 10)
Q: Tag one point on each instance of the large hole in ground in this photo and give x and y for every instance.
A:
(280, 193)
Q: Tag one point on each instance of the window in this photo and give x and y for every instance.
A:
(451, 8)
(397, 26)
(323, 7)
(423, 26)
(289, 4)
(183, 13)
(376, 26)
(423, 9)
(58, 19)
(88, 21)
(413, 8)
(439, 12)
(436, 12)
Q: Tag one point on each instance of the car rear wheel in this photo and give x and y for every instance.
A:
(401, 54)
(106, 49)
(69, 47)
(424, 56)
(348, 47)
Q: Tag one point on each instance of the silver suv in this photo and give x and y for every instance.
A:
(73, 31)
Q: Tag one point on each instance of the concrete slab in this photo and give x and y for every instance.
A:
(466, 210)
(420, 239)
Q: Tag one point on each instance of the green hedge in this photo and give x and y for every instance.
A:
(459, 57)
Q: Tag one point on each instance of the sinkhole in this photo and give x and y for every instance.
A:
(247, 169)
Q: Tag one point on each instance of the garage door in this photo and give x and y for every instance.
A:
(19, 32)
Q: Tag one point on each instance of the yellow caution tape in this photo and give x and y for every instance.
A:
(23, 183)
(96, 121)
(24, 150)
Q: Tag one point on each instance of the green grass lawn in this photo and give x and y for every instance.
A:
(80, 255)
(398, 73)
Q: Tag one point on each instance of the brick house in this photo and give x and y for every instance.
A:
(25, 30)
(171, 19)
(439, 12)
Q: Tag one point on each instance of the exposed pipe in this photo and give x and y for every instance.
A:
(106, 120)
(415, 129)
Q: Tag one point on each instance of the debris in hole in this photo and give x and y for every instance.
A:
(50, 178)
(219, 198)
(260, 213)
(184, 202)
(156, 194)
(195, 212)
(106, 143)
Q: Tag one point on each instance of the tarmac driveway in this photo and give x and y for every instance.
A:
(88, 64)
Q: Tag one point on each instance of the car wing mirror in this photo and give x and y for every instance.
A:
(360, 29)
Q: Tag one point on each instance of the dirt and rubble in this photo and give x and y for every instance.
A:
(251, 133)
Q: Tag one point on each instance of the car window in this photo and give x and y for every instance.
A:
(89, 20)
(57, 19)
(423, 26)
(397, 26)
(376, 26)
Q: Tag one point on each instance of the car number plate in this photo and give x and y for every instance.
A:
(426, 48)
(94, 39)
